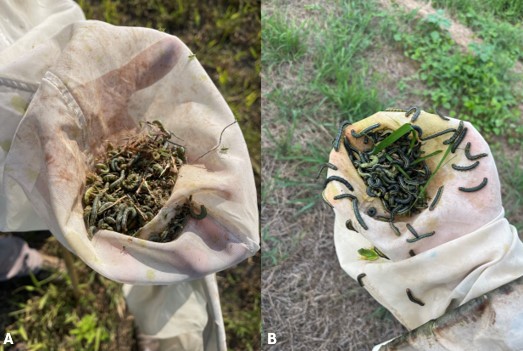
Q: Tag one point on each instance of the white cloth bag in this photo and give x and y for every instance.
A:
(66, 87)
(473, 251)
(104, 81)
(24, 26)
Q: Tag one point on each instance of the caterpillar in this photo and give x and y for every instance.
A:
(458, 140)
(372, 211)
(336, 141)
(418, 129)
(325, 200)
(413, 298)
(416, 111)
(360, 277)
(381, 254)
(475, 188)
(394, 228)
(118, 181)
(435, 135)
(326, 165)
(465, 168)
(201, 215)
(412, 230)
(472, 157)
(338, 179)
(349, 226)
(357, 214)
(364, 131)
(419, 237)
(344, 196)
(129, 212)
(94, 210)
(441, 116)
(456, 134)
(436, 198)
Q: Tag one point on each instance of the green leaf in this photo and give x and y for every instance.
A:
(43, 301)
(368, 254)
(23, 333)
(395, 135)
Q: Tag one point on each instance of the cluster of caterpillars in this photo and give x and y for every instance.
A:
(401, 205)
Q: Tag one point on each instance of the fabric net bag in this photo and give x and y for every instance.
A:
(418, 215)
(68, 89)
(83, 104)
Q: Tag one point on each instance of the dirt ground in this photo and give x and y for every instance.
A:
(461, 34)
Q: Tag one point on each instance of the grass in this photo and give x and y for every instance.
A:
(340, 72)
(282, 41)
(497, 23)
(325, 63)
(306, 94)
(226, 40)
(240, 290)
(41, 313)
(338, 84)
(502, 10)
(511, 176)
(477, 86)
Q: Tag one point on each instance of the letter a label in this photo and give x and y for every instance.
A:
(8, 339)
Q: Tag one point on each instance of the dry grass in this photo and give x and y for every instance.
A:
(389, 64)
(307, 299)
(310, 302)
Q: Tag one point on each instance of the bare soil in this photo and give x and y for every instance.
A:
(461, 34)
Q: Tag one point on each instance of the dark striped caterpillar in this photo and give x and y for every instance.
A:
(475, 188)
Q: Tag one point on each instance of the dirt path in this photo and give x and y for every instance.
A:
(462, 35)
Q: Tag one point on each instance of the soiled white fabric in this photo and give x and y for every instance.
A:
(444, 277)
(493, 321)
(473, 251)
(24, 24)
(183, 316)
(27, 50)
(132, 75)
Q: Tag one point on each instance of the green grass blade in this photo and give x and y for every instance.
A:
(426, 157)
(422, 191)
(398, 133)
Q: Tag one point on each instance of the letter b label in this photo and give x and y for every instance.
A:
(271, 338)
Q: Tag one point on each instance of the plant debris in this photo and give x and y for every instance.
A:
(132, 183)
